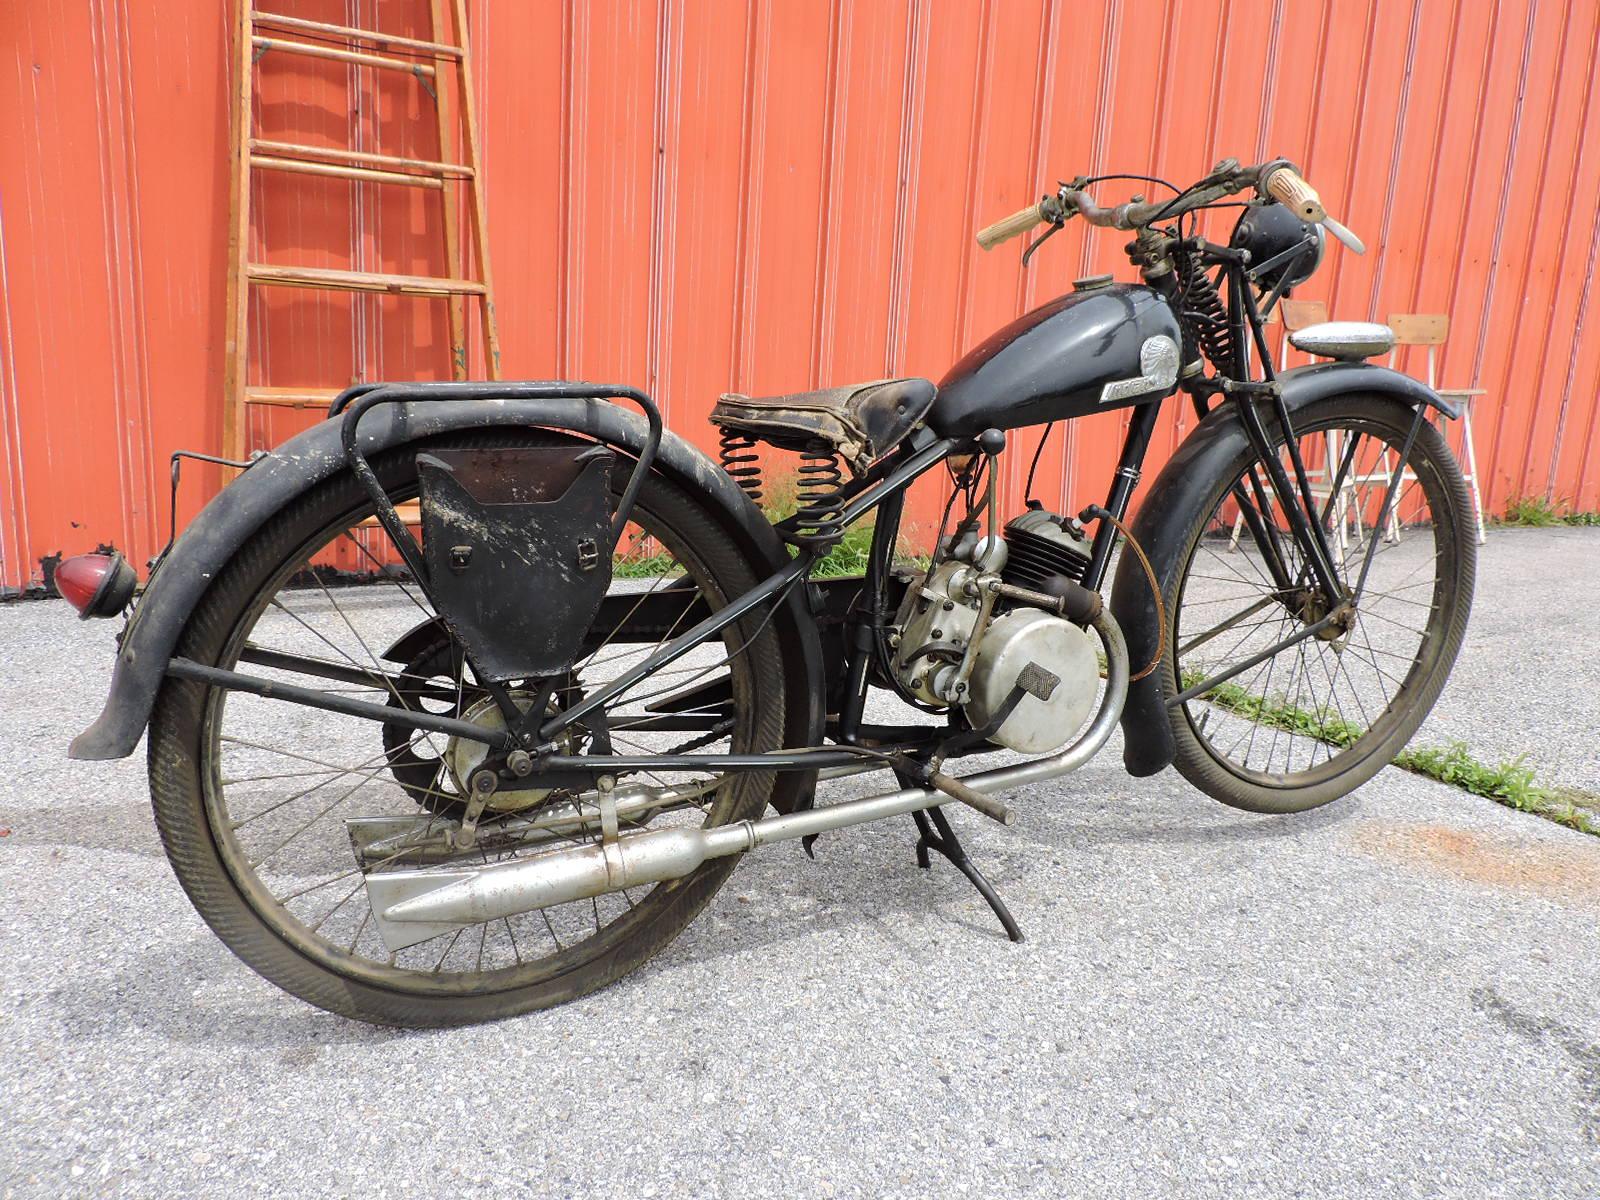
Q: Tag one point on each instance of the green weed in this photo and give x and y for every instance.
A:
(1539, 513)
(848, 557)
(1531, 511)
(1510, 782)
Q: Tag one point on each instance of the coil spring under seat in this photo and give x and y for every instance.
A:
(737, 453)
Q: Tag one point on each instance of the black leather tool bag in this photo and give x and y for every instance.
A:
(518, 548)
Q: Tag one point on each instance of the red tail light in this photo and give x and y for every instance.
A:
(97, 585)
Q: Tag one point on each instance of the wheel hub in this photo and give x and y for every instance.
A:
(463, 756)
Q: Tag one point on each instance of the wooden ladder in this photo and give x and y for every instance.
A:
(260, 33)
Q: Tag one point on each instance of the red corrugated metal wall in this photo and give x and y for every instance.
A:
(702, 195)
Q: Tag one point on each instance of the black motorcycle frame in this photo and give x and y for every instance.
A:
(882, 487)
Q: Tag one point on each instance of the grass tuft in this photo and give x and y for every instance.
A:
(848, 557)
(1510, 782)
(1536, 512)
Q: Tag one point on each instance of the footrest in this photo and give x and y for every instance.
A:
(994, 809)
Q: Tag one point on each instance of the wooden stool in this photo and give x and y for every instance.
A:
(1430, 330)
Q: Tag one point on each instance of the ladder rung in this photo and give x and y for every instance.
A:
(291, 397)
(349, 56)
(409, 514)
(390, 161)
(362, 281)
(297, 166)
(383, 40)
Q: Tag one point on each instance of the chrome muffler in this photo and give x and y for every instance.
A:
(412, 906)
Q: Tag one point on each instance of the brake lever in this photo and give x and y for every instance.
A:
(1039, 241)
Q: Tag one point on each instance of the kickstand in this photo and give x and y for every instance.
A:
(936, 835)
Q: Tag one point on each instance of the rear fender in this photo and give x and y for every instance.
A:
(1169, 507)
(309, 458)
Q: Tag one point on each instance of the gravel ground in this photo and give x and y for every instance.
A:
(1396, 995)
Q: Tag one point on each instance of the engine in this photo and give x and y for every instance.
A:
(962, 641)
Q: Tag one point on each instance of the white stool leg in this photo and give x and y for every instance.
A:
(1472, 465)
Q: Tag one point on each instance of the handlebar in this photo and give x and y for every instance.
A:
(1277, 179)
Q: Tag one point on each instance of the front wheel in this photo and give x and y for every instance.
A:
(1312, 721)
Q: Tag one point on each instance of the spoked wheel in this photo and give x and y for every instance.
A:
(1312, 721)
(273, 814)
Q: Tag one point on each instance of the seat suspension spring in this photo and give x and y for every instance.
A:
(739, 459)
(819, 504)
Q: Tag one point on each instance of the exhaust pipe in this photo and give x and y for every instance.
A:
(409, 907)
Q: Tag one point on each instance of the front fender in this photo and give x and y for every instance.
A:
(315, 455)
(1169, 507)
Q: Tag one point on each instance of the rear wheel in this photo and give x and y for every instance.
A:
(273, 814)
(1312, 721)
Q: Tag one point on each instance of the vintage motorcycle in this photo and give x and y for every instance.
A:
(440, 779)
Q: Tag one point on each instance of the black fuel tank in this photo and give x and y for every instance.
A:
(1099, 348)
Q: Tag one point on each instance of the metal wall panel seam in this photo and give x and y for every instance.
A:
(138, 330)
(825, 280)
(1214, 99)
(564, 215)
(1506, 188)
(1171, 44)
(1044, 113)
(742, 185)
(120, 294)
(1429, 194)
(1591, 263)
(14, 533)
(578, 209)
(365, 315)
(1269, 81)
(1395, 165)
(975, 154)
(1318, 77)
(1106, 105)
(1342, 262)
(1044, 72)
(750, 266)
(664, 203)
(1509, 157)
(1464, 210)
(1546, 155)
(1500, 446)
(907, 179)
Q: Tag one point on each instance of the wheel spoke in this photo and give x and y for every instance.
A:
(1298, 712)
(305, 807)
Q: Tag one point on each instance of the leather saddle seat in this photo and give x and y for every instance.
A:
(862, 421)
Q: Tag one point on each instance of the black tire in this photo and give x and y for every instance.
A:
(1349, 760)
(268, 938)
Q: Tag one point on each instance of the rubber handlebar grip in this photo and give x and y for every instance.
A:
(1007, 228)
(1286, 186)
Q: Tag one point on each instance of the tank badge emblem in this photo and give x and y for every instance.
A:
(1158, 366)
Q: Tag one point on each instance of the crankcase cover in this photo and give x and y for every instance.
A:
(1055, 663)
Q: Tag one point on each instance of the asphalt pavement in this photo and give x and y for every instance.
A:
(1396, 995)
